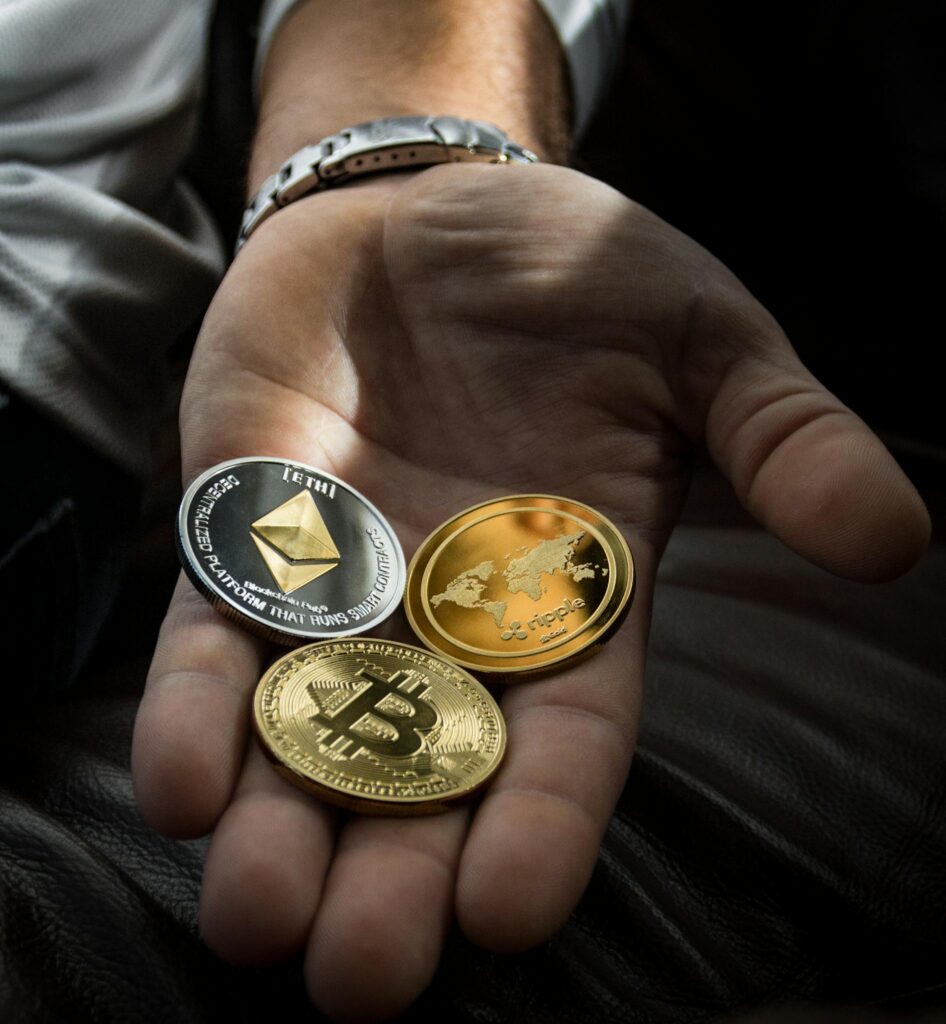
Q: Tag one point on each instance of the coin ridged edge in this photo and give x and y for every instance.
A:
(224, 608)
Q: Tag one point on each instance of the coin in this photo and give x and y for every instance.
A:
(288, 551)
(519, 583)
(378, 727)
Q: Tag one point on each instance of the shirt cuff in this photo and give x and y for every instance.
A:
(591, 33)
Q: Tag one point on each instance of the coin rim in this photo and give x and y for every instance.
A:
(586, 625)
(378, 804)
(610, 619)
(238, 613)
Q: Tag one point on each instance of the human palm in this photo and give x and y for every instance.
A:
(463, 334)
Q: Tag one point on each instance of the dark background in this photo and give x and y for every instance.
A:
(781, 836)
(804, 144)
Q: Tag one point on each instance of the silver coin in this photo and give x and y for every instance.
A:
(288, 551)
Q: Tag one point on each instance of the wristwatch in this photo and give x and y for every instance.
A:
(385, 145)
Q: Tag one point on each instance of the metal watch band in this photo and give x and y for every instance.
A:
(385, 145)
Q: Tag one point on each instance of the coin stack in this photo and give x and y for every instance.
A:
(516, 584)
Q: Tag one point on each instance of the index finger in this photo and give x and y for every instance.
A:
(192, 725)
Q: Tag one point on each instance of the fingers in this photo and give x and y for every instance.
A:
(266, 866)
(385, 913)
(800, 461)
(381, 903)
(535, 838)
(192, 724)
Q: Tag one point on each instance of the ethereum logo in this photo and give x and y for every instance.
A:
(295, 543)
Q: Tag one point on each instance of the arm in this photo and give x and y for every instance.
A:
(329, 66)
(334, 65)
(350, 330)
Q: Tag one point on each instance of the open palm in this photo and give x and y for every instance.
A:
(437, 341)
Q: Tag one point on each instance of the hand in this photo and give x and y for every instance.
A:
(436, 341)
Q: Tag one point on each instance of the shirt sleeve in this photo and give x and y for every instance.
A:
(591, 33)
(107, 256)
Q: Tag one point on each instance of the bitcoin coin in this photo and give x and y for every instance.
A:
(519, 583)
(378, 727)
(290, 552)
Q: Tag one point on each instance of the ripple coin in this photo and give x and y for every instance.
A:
(519, 583)
(290, 552)
(378, 727)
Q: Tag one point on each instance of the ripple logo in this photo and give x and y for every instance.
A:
(515, 630)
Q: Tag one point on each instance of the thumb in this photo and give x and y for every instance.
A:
(800, 461)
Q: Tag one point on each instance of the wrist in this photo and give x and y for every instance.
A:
(386, 145)
(335, 65)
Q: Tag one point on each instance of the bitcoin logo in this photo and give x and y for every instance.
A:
(385, 717)
(378, 727)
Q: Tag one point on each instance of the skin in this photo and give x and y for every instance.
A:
(437, 340)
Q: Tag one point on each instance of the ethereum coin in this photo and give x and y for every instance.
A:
(290, 552)
(519, 583)
(378, 727)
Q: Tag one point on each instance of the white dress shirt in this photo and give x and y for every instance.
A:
(107, 256)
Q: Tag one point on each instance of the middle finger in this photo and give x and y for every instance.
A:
(384, 917)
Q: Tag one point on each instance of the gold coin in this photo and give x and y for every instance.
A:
(378, 727)
(519, 583)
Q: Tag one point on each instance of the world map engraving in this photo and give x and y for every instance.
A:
(522, 575)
